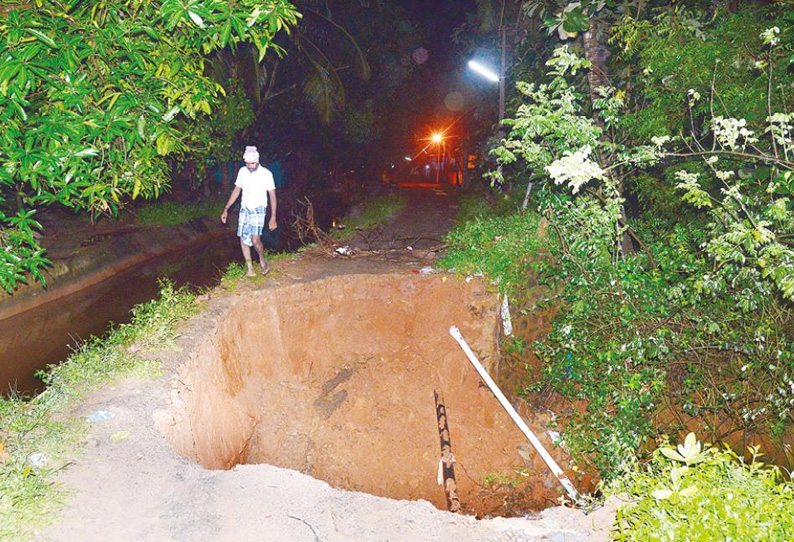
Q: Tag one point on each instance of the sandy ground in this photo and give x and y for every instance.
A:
(130, 484)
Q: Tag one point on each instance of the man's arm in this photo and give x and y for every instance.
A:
(232, 198)
(273, 208)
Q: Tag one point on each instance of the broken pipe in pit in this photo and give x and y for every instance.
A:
(446, 465)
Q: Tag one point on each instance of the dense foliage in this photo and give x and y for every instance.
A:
(668, 199)
(95, 95)
(330, 96)
(692, 493)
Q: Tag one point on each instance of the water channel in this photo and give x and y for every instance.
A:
(48, 333)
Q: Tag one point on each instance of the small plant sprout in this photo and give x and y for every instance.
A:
(690, 453)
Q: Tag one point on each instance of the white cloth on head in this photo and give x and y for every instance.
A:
(251, 155)
(255, 185)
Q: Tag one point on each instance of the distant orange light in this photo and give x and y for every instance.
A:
(437, 138)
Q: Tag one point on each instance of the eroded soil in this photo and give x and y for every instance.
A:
(326, 368)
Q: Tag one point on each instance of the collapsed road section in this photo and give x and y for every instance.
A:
(336, 379)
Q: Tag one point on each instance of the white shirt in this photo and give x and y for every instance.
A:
(255, 186)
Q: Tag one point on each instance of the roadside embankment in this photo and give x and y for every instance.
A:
(85, 256)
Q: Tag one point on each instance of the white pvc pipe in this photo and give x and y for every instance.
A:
(553, 466)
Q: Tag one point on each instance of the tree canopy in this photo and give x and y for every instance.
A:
(683, 139)
(94, 95)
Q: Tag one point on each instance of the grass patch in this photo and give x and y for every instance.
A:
(510, 480)
(500, 247)
(480, 204)
(236, 271)
(172, 213)
(35, 442)
(373, 213)
(709, 495)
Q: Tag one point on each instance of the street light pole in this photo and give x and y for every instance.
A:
(438, 139)
(502, 68)
(438, 164)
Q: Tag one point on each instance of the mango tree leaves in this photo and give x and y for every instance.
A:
(95, 95)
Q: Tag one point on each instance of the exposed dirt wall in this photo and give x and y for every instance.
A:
(336, 378)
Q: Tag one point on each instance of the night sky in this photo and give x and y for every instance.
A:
(438, 19)
(440, 74)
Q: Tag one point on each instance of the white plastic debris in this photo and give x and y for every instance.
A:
(38, 459)
(344, 251)
(427, 270)
(507, 323)
(556, 438)
(100, 416)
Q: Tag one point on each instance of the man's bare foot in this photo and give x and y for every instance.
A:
(250, 273)
(265, 270)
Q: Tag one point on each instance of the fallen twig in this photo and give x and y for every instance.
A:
(316, 536)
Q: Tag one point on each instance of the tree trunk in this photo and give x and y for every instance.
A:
(597, 77)
(224, 176)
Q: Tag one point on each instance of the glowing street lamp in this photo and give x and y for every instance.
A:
(496, 78)
(484, 71)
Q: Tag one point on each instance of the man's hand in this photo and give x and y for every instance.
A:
(232, 199)
(272, 224)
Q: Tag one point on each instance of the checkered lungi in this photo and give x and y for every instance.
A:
(251, 222)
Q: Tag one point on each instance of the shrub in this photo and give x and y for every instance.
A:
(695, 494)
(500, 247)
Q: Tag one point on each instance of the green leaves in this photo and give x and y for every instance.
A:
(721, 498)
(678, 492)
(690, 453)
(44, 38)
(93, 99)
(575, 21)
(21, 255)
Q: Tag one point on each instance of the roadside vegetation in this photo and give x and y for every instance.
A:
(691, 492)
(38, 436)
(659, 219)
(499, 242)
(93, 135)
(174, 213)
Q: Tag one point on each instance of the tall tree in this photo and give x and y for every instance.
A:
(334, 87)
(95, 95)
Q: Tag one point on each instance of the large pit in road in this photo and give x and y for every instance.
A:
(335, 378)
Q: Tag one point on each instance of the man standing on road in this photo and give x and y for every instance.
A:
(256, 183)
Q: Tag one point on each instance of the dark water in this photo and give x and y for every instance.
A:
(48, 333)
